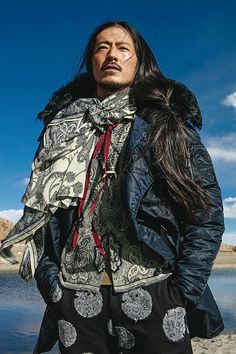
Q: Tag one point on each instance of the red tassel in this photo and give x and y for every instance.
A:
(105, 140)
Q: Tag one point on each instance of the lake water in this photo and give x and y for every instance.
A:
(223, 286)
(21, 309)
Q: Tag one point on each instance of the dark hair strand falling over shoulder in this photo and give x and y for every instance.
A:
(166, 104)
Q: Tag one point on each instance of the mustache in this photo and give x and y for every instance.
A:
(111, 63)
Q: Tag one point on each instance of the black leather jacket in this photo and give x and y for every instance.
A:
(188, 249)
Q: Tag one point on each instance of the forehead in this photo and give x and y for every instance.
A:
(114, 34)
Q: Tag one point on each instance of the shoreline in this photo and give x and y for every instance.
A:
(222, 266)
(224, 343)
(224, 260)
(15, 267)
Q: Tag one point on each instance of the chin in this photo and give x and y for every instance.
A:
(112, 85)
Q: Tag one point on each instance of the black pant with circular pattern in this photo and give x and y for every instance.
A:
(149, 319)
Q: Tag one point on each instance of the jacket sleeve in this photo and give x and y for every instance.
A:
(201, 241)
(47, 271)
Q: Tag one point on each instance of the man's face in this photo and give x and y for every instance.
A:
(114, 60)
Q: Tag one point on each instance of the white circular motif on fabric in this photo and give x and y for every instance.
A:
(174, 324)
(125, 338)
(57, 294)
(137, 304)
(87, 303)
(67, 333)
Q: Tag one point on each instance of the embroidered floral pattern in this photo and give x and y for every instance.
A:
(88, 304)
(174, 324)
(130, 267)
(67, 146)
(67, 333)
(137, 304)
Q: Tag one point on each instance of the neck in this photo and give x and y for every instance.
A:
(102, 92)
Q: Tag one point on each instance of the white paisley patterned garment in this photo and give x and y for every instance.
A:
(59, 167)
(83, 267)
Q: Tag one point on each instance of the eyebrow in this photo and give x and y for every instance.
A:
(107, 42)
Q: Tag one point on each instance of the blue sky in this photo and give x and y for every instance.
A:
(41, 46)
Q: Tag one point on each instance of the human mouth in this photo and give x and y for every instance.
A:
(111, 67)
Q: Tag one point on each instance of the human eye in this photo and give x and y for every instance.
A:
(102, 47)
(123, 48)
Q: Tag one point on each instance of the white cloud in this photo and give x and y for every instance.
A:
(230, 100)
(229, 238)
(222, 154)
(222, 148)
(230, 207)
(230, 200)
(11, 214)
(25, 181)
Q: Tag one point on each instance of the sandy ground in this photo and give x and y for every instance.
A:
(225, 260)
(222, 344)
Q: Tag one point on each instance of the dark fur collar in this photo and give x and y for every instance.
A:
(172, 97)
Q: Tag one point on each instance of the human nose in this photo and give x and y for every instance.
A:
(112, 54)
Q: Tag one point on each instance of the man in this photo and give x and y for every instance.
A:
(123, 215)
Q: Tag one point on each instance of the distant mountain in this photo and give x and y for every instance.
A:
(227, 248)
(5, 228)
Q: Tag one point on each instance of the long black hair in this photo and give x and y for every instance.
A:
(166, 104)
